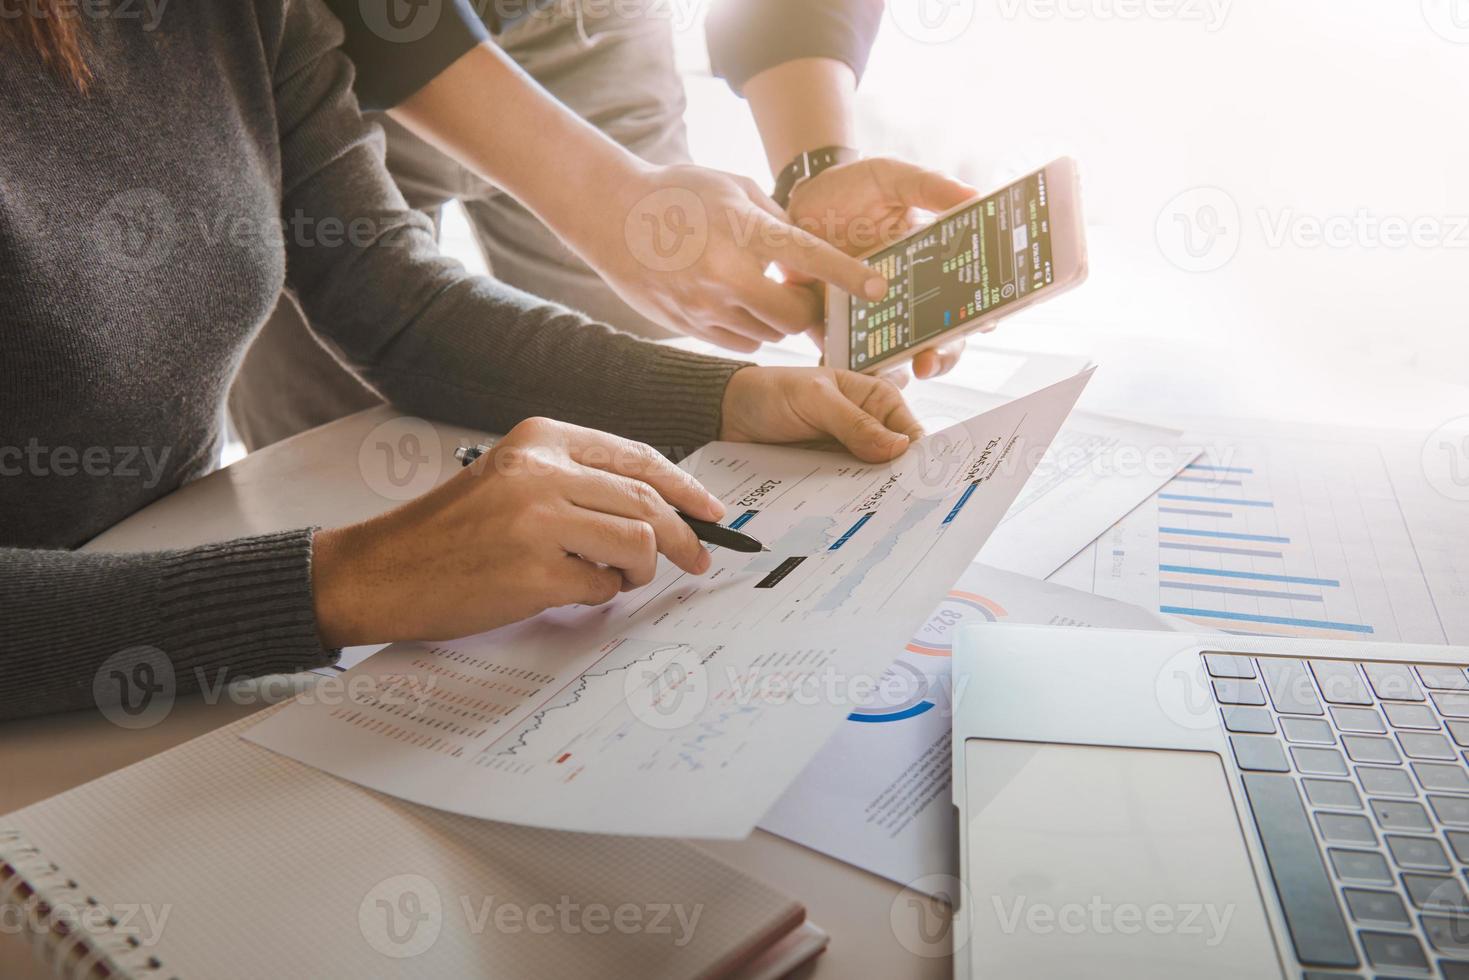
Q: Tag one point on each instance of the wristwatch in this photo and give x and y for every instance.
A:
(806, 166)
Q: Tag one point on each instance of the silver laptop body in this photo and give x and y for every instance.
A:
(1137, 805)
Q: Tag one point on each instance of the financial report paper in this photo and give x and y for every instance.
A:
(877, 795)
(686, 707)
(1337, 537)
(1097, 469)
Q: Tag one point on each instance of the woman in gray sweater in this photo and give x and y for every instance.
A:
(160, 182)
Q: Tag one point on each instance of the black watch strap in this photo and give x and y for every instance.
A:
(808, 165)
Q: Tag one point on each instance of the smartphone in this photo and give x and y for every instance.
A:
(975, 263)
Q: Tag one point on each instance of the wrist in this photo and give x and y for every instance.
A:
(736, 394)
(806, 167)
(334, 594)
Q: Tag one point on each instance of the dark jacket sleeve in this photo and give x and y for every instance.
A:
(399, 46)
(748, 36)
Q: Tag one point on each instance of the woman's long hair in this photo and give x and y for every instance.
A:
(50, 29)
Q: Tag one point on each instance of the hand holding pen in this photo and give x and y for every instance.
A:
(709, 532)
(566, 515)
(553, 515)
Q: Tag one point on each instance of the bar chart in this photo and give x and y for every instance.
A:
(1272, 538)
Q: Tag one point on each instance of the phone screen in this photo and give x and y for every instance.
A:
(986, 255)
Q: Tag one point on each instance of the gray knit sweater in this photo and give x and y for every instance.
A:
(145, 231)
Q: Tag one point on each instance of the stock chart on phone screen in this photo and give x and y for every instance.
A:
(986, 255)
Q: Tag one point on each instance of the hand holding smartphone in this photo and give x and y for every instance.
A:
(984, 259)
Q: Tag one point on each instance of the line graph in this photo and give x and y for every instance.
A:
(843, 591)
(585, 702)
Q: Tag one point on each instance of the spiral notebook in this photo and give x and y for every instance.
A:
(221, 859)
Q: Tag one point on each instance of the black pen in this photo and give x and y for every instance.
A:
(706, 531)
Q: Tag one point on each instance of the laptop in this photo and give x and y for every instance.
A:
(1141, 805)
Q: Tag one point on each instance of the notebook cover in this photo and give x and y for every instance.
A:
(225, 860)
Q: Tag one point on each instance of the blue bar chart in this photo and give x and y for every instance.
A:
(1266, 538)
(1207, 533)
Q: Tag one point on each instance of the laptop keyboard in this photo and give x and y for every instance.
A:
(1358, 781)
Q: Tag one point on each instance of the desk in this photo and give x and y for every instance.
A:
(321, 477)
(316, 478)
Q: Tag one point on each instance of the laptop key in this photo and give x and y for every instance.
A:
(1434, 776)
(1238, 692)
(1385, 782)
(1436, 893)
(1367, 866)
(1386, 950)
(1341, 683)
(1260, 754)
(1459, 730)
(1257, 721)
(1459, 841)
(1401, 715)
(1229, 665)
(1312, 916)
(1447, 933)
(1393, 682)
(1451, 704)
(1312, 730)
(1318, 762)
(1442, 678)
(1290, 687)
(1358, 720)
(1399, 815)
(1345, 828)
(1421, 853)
(1332, 792)
(1452, 970)
(1368, 905)
(1426, 745)
(1365, 748)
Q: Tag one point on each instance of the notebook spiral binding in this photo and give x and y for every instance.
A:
(49, 906)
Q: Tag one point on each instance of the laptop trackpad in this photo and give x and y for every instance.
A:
(1081, 856)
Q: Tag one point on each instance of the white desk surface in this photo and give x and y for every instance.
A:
(316, 478)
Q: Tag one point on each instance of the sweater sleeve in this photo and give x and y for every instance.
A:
(746, 37)
(129, 632)
(431, 338)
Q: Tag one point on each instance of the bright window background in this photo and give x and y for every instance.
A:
(1338, 115)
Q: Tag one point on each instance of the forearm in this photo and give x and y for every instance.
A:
(430, 337)
(481, 354)
(803, 105)
(441, 343)
(83, 626)
(488, 114)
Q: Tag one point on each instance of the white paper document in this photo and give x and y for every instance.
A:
(1097, 469)
(877, 794)
(1340, 540)
(686, 707)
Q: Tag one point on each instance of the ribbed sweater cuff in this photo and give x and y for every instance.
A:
(243, 606)
(676, 406)
(82, 626)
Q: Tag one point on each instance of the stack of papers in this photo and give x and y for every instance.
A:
(687, 707)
